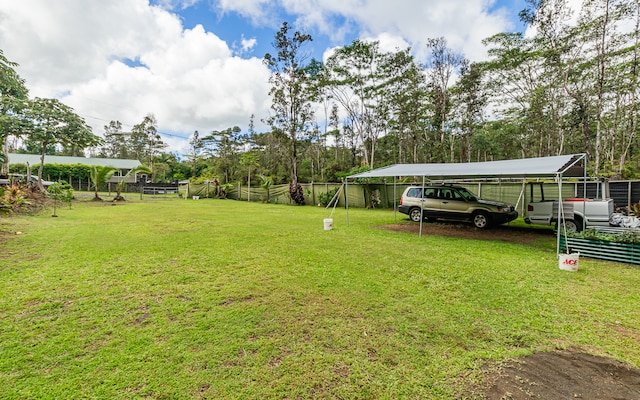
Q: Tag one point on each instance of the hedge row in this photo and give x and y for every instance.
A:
(57, 172)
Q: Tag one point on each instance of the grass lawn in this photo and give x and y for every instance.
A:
(226, 299)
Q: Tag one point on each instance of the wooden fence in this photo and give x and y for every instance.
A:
(386, 195)
(381, 195)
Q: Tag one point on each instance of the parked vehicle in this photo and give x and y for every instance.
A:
(454, 203)
(33, 179)
(577, 213)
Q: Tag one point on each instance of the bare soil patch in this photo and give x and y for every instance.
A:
(562, 375)
(506, 233)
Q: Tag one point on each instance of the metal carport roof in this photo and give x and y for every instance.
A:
(540, 167)
(556, 167)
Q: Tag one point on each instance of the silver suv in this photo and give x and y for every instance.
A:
(454, 203)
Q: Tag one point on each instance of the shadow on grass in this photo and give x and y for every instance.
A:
(507, 233)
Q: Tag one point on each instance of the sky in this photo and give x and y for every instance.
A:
(196, 65)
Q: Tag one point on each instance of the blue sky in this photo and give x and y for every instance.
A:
(231, 25)
(197, 64)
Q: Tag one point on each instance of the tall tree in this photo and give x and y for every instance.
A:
(470, 98)
(196, 146)
(407, 96)
(274, 158)
(290, 99)
(443, 64)
(249, 161)
(224, 148)
(13, 98)
(629, 111)
(145, 140)
(116, 141)
(356, 76)
(515, 86)
(54, 123)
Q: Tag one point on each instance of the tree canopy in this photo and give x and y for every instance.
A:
(571, 87)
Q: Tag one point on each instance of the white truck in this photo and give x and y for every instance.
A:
(577, 213)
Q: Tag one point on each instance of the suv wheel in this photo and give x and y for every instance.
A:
(481, 220)
(415, 214)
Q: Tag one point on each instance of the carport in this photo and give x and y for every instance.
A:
(555, 167)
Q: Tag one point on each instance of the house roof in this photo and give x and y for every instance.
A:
(34, 159)
(541, 167)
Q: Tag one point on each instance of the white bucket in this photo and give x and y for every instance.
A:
(328, 224)
(196, 197)
(569, 262)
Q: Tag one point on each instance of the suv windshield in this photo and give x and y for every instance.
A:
(467, 194)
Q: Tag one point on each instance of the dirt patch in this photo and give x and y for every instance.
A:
(506, 233)
(562, 375)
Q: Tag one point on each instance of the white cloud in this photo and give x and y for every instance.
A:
(177, 4)
(260, 12)
(390, 43)
(123, 59)
(463, 23)
(248, 44)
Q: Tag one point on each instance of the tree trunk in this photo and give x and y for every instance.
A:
(41, 167)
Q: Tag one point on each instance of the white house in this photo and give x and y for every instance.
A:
(122, 166)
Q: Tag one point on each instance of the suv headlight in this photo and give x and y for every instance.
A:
(503, 208)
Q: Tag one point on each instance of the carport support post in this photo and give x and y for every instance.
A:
(421, 206)
(558, 223)
(584, 193)
(346, 198)
(395, 197)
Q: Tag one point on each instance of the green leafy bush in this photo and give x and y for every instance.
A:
(325, 198)
(55, 172)
(60, 192)
(631, 237)
(12, 198)
(67, 191)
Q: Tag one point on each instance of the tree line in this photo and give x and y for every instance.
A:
(44, 124)
(569, 86)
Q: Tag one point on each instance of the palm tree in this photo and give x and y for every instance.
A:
(266, 183)
(123, 181)
(99, 176)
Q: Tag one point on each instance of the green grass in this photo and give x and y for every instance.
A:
(227, 299)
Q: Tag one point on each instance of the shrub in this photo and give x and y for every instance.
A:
(60, 191)
(296, 193)
(325, 198)
(630, 236)
(13, 197)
